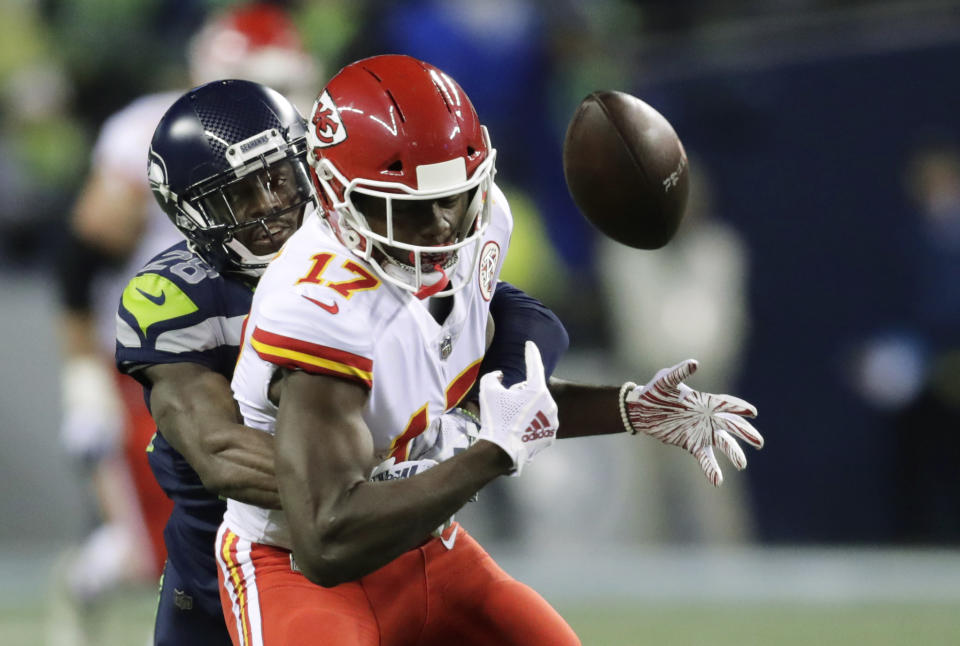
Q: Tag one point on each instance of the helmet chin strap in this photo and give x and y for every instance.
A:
(426, 291)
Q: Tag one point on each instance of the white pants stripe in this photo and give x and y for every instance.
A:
(236, 566)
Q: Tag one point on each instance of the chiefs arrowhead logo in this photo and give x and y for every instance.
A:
(328, 128)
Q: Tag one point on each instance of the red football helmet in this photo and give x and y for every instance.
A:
(397, 128)
(255, 42)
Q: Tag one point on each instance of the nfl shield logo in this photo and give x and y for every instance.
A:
(446, 347)
(182, 600)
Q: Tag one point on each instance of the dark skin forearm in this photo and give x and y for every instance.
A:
(343, 526)
(586, 410)
(195, 411)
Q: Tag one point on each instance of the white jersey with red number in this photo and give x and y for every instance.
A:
(321, 309)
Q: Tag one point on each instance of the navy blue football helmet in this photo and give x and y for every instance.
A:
(228, 165)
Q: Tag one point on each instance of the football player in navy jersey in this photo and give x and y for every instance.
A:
(113, 229)
(227, 164)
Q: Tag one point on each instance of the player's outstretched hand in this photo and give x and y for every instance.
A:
(670, 411)
(521, 420)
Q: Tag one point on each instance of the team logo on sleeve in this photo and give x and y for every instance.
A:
(487, 269)
(327, 128)
(152, 298)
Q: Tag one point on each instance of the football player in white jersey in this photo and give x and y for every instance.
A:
(366, 330)
(228, 165)
(115, 228)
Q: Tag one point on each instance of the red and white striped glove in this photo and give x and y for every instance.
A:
(670, 411)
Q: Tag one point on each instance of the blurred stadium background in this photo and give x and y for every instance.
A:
(816, 276)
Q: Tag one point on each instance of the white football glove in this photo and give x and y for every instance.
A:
(670, 411)
(521, 420)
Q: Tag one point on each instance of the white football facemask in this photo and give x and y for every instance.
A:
(441, 180)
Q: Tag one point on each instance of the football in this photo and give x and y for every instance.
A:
(626, 169)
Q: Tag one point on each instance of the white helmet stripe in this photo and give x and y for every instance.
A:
(437, 177)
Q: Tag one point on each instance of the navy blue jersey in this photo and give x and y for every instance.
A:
(518, 318)
(178, 309)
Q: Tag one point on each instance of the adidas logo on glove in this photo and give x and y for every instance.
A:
(539, 428)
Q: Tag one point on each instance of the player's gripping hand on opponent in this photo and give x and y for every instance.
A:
(674, 413)
(521, 420)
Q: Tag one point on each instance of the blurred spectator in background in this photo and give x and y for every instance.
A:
(260, 42)
(114, 228)
(913, 371)
(685, 300)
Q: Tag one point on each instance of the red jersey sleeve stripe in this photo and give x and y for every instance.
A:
(311, 357)
(305, 347)
(462, 384)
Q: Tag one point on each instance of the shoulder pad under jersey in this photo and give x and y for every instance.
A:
(178, 308)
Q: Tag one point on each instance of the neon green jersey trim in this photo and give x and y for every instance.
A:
(152, 298)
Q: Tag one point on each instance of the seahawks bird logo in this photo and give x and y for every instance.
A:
(157, 174)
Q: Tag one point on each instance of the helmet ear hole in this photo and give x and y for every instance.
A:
(396, 167)
(351, 237)
(323, 172)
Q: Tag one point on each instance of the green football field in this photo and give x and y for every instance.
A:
(694, 624)
(767, 625)
(617, 597)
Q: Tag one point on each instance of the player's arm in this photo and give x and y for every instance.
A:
(664, 408)
(586, 410)
(515, 318)
(344, 526)
(194, 409)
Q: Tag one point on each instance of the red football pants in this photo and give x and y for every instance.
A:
(429, 595)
